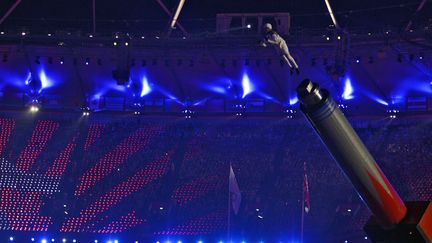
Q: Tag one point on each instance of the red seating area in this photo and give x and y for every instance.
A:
(196, 189)
(6, 127)
(125, 222)
(60, 164)
(114, 158)
(132, 185)
(42, 133)
(204, 225)
(22, 211)
(94, 132)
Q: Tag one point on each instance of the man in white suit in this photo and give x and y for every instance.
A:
(273, 38)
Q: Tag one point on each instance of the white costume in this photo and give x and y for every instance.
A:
(273, 38)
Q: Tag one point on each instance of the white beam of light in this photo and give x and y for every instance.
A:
(381, 101)
(246, 85)
(331, 13)
(177, 13)
(146, 89)
(45, 81)
(348, 90)
(293, 100)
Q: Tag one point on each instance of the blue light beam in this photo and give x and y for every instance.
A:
(146, 89)
(348, 90)
(246, 85)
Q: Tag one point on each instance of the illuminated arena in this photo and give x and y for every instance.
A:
(177, 121)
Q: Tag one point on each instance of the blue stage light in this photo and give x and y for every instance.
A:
(246, 85)
(293, 100)
(43, 241)
(46, 82)
(146, 89)
(11, 238)
(382, 102)
(348, 90)
(217, 89)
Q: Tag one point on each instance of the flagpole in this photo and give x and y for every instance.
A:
(302, 219)
(303, 204)
(229, 208)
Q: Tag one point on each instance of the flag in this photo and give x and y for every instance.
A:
(306, 197)
(234, 191)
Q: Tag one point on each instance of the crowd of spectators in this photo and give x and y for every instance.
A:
(267, 156)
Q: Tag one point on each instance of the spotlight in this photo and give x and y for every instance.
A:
(126, 43)
(338, 37)
(2, 33)
(87, 62)
(63, 240)
(357, 60)
(49, 34)
(115, 43)
(23, 33)
(327, 38)
(52, 240)
(32, 239)
(91, 36)
(43, 241)
(11, 238)
(34, 109)
(61, 60)
(249, 26)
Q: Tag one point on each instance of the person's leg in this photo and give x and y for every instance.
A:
(287, 61)
(290, 59)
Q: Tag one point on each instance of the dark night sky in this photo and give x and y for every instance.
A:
(207, 9)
